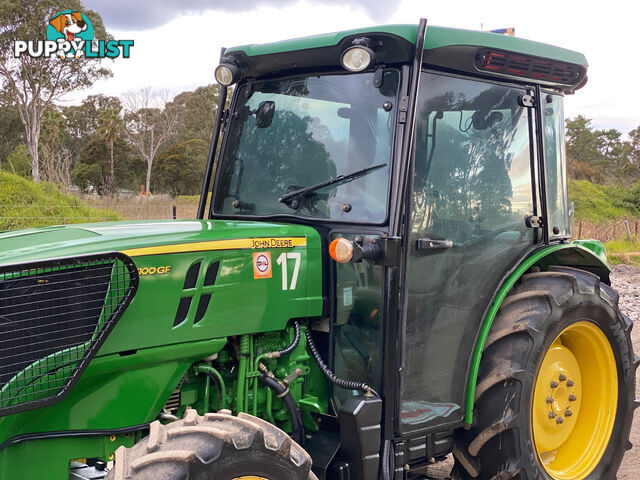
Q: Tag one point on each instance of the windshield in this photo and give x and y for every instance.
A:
(288, 135)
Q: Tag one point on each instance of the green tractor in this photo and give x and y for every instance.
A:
(382, 276)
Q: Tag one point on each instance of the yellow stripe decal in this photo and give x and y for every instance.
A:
(234, 244)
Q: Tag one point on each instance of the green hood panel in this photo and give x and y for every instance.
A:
(170, 308)
(68, 241)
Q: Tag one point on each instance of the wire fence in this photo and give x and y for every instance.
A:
(26, 215)
(139, 208)
(605, 232)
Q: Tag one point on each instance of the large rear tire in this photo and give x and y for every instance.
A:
(214, 446)
(556, 386)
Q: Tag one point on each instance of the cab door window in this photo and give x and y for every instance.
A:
(472, 189)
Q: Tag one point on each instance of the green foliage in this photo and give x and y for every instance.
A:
(11, 131)
(602, 203)
(601, 156)
(24, 204)
(179, 169)
(18, 162)
(92, 171)
(199, 109)
(33, 84)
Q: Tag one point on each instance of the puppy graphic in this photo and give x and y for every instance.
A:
(69, 25)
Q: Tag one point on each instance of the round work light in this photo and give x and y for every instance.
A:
(341, 250)
(227, 74)
(358, 58)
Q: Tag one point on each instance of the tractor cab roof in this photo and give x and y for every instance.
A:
(451, 49)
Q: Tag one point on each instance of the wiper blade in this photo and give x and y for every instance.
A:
(339, 180)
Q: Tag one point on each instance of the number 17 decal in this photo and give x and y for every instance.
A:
(282, 261)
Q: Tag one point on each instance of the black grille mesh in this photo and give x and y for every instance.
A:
(526, 66)
(54, 315)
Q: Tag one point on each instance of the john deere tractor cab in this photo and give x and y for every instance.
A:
(383, 275)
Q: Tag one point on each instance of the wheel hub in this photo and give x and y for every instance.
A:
(574, 402)
(557, 404)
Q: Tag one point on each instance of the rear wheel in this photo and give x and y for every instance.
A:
(556, 386)
(214, 446)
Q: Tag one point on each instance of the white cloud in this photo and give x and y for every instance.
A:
(182, 54)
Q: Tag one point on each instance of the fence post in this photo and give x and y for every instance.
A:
(174, 212)
(626, 224)
(580, 229)
(636, 228)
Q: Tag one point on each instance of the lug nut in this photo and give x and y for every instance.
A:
(572, 398)
(568, 413)
(562, 377)
(549, 400)
(569, 383)
(554, 384)
(552, 415)
(559, 420)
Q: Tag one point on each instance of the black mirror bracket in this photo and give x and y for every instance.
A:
(382, 251)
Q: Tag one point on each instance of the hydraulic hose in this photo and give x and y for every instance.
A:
(332, 377)
(218, 381)
(290, 348)
(278, 354)
(281, 391)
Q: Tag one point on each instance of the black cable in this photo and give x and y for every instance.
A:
(216, 380)
(294, 344)
(341, 382)
(297, 433)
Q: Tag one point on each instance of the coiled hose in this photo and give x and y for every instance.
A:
(340, 382)
(290, 348)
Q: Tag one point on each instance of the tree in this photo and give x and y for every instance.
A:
(34, 84)
(199, 112)
(109, 127)
(82, 121)
(150, 120)
(55, 159)
(92, 170)
(179, 168)
(11, 131)
(18, 161)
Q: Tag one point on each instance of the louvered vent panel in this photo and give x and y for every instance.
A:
(507, 63)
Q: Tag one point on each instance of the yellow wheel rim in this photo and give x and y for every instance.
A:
(250, 477)
(574, 402)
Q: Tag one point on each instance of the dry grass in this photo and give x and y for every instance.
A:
(147, 207)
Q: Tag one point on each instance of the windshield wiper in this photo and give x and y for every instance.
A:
(339, 180)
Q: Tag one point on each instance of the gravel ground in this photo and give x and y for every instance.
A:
(626, 280)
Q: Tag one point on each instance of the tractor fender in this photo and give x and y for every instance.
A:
(589, 255)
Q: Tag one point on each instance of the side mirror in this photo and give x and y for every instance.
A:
(264, 113)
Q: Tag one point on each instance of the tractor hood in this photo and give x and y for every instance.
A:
(197, 279)
(73, 240)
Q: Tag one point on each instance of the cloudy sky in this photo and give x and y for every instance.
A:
(177, 42)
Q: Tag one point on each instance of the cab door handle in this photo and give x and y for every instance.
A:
(432, 244)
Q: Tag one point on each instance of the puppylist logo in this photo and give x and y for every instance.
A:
(70, 34)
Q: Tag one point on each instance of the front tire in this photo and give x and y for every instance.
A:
(556, 386)
(214, 446)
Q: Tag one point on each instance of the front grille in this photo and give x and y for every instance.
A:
(54, 316)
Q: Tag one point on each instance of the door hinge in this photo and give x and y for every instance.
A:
(526, 100)
(533, 221)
